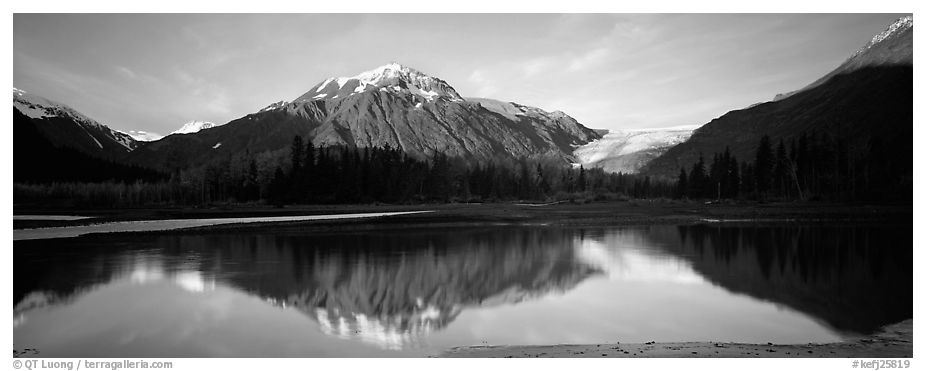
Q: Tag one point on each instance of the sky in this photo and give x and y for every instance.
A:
(155, 72)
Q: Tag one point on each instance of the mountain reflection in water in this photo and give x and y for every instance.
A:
(422, 290)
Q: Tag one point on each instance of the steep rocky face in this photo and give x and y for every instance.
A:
(423, 127)
(65, 127)
(393, 106)
(870, 96)
(626, 151)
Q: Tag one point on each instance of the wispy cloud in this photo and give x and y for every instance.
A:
(589, 59)
(485, 86)
(537, 65)
(607, 70)
(126, 73)
(212, 98)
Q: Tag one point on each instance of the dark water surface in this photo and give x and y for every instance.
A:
(418, 291)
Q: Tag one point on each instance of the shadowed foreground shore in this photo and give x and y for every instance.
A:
(597, 213)
(894, 341)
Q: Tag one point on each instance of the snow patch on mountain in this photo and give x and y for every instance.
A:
(194, 127)
(143, 136)
(897, 27)
(275, 105)
(399, 108)
(401, 79)
(893, 46)
(38, 107)
(627, 151)
(35, 106)
(516, 112)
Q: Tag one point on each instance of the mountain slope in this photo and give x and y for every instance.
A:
(626, 151)
(65, 127)
(144, 136)
(893, 46)
(393, 106)
(870, 100)
(38, 160)
(194, 127)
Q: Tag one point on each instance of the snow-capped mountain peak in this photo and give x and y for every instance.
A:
(900, 25)
(391, 70)
(37, 107)
(388, 78)
(194, 126)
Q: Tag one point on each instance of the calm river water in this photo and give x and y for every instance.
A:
(418, 291)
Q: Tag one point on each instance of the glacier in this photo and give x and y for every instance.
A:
(626, 151)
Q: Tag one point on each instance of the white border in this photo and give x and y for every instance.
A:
(468, 6)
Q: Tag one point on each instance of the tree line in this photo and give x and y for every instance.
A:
(306, 174)
(811, 167)
(342, 174)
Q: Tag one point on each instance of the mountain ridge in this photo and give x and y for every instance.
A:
(390, 106)
(194, 126)
(893, 46)
(858, 102)
(67, 127)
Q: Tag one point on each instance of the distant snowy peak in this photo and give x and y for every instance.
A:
(194, 127)
(388, 78)
(144, 136)
(37, 107)
(626, 151)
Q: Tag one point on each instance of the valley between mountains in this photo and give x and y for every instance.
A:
(415, 132)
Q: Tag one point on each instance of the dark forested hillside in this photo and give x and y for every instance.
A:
(870, 105)
(863, 105)
(37, 160)
(814, 166)
(64, 126)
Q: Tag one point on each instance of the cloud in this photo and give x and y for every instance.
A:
(536, 66)
(589, 59)
(584, 27)
(218, 101)
(485, 87)
(126, 73)
(213, 97)
(138, 77)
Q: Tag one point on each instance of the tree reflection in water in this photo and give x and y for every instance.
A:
(393, 288)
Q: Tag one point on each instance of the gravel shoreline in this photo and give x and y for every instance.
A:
(894, 341)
